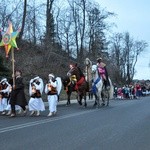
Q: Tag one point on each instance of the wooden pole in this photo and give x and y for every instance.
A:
(13, 66)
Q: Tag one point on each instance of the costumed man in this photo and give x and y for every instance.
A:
(36, 103)
(72, 77)
(51, 91)
(17, 96)
(103, 72)
(5, 88)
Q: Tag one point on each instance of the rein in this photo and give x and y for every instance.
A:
(67, 86)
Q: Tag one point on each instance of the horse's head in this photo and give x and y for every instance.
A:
(65, 81)
(87, 62)
(94, 69)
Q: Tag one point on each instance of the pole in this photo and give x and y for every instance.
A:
(13, 66)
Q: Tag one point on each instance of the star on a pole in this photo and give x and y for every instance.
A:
(9, 39)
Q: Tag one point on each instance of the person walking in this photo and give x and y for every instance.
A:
(36, 103)
(5, 88)
(52, 94)
(17, 96)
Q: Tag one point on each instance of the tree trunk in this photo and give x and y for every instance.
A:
(23, 20)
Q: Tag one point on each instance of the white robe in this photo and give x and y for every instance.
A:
(36, 104)
(52, 99)
(3, 101)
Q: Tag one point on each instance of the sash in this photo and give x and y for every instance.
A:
(82, 79)
(94, 88)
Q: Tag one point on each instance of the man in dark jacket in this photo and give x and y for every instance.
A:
(17, 95)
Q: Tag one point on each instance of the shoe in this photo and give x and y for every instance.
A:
(50, 114)
(9, 113)
(32, 113)
(3, 113)
(12, 115)
(38, 113)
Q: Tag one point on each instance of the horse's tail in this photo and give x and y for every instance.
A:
(111, 91)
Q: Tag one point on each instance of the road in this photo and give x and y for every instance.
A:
(124, 125)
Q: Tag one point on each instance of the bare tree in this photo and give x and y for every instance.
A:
(139, 47)
(117, 57)
(97, 26)
(125, 52)
(23, 19)
(64, 33)
(49, 35)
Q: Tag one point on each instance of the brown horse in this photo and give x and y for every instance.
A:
(81, 86)
(69, 87)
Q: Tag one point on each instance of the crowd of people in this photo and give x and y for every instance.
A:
(130, 91)
(13, 100)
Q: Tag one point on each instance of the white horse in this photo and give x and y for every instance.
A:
(98, 89)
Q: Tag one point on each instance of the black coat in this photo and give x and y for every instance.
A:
(17, 96)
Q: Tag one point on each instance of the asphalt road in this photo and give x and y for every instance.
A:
(124, 125)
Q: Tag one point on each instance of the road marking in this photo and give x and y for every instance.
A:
(30, 124)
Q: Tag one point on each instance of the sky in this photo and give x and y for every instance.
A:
(134, 17)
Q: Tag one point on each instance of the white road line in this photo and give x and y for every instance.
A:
(25, 125)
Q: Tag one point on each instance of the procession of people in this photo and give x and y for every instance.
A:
(13, 100)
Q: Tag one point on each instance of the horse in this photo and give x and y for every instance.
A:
(81, 86)
(97, 85)
(69, 87)
(99, 88)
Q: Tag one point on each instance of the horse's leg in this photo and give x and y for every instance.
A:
(68, 99)
(96, 99)
(103, 99)
(89, 94)
(80, 99)
(85, 104)
(107, 98)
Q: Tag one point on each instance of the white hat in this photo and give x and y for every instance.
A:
(51, 75)
(37, 77)
(4, 79)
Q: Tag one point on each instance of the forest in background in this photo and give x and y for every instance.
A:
(55, 33)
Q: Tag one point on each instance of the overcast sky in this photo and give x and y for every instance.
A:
(134, 17)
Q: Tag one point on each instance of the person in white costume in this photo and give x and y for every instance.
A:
(52, 94)
(5, 89)
(36, 103)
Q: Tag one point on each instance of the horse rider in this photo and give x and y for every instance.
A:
(74, 78)
(103, 72)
